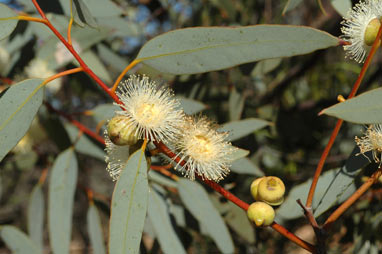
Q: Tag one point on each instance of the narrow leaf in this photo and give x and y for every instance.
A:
(242, 128)
(203, 49)
(190, 106)
(341, 6)
(158, 213)
(19, 104)
(334, 187)
(246, 166)
(95, 230)
(63, 180)
(18, 241)
(36, 211)
(365, 108)
(129, 206)
(6, 25)
(197, 202)
(291, 4)
(104, 112)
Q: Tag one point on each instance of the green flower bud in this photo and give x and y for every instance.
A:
(371, 31)
(254, 187)
(120, 133)
(271, 190)
(261, 214)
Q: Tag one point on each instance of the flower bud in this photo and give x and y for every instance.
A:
(254, 187)
(120, 133)
(371, 31)
(271, 190)
(261, 214)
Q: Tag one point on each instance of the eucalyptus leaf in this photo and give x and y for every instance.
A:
(129, 206)
(265, 66)
(242, 128)
(95, 230)
(342, 6)
(235, 105)
(246, 166)
(364, 108)
(63, 181)
(334, 186)
(190, 106)
(291, 4)
(104, 112)
(96, 65)
(36, 211)
(7, 25)
(18, 241)
(204, 49)
(197, 202)
(158, 212)
(19, 104)
(237, 153)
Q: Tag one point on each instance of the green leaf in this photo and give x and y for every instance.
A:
(246, 166)
(341, 6)
(129, 206)
(190, 106)
(6, 25)
(84, 144)
(111, 58)
(95, 231)
(197, 202)
(238, 153)
(103, 8)
(291, 4)
(63, 181)
(96, 65)
(203, 49)
(242, 128)
(104, 112)
(19, 104)
(162, 180)
(365, 108)
(18, 241)
(36, 211)
(235, 105)
(265, 66)
(158, 212)
(334, 187)
(81, 12)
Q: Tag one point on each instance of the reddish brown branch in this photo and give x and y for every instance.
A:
(333, 136)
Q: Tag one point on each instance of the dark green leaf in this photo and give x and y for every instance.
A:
(204, 49)
(63, 181)
(19, 104)
(36, 211)
(242, 128)
(18, 241)
(197, 202)
(129, 206)
(365, 108)
(158, 213)
(95, 231)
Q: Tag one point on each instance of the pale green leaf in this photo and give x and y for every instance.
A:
(365, 108)
(111, 58)
(203, 49)
(242, 128)
(84, 144)
(18, 241)
(190, 106)
(265, 66)
(95, 231)
(96, 65)
(104, 112)
(235, 105)
(19, 104)
(341, 6)
(237, 154)
(291, 4)
(62, 185)
(197, 202)
(158, 212)
(7, 26)
(129, 206)
(36, 211)
(334, 187)
(246, 166)
(103, 8)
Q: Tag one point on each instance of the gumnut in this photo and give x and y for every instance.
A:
(271, 190)
(254, 187)
(371, 31)
(120, 133)
(261, 214)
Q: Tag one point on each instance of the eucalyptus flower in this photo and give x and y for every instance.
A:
(371, 141)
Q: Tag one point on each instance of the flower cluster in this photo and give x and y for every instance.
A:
(153, 113)
(360, 28)
(371, 141)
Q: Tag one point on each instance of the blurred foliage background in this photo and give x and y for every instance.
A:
(289, 93)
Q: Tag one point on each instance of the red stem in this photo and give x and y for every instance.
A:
(78, 58)
(336, 129)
